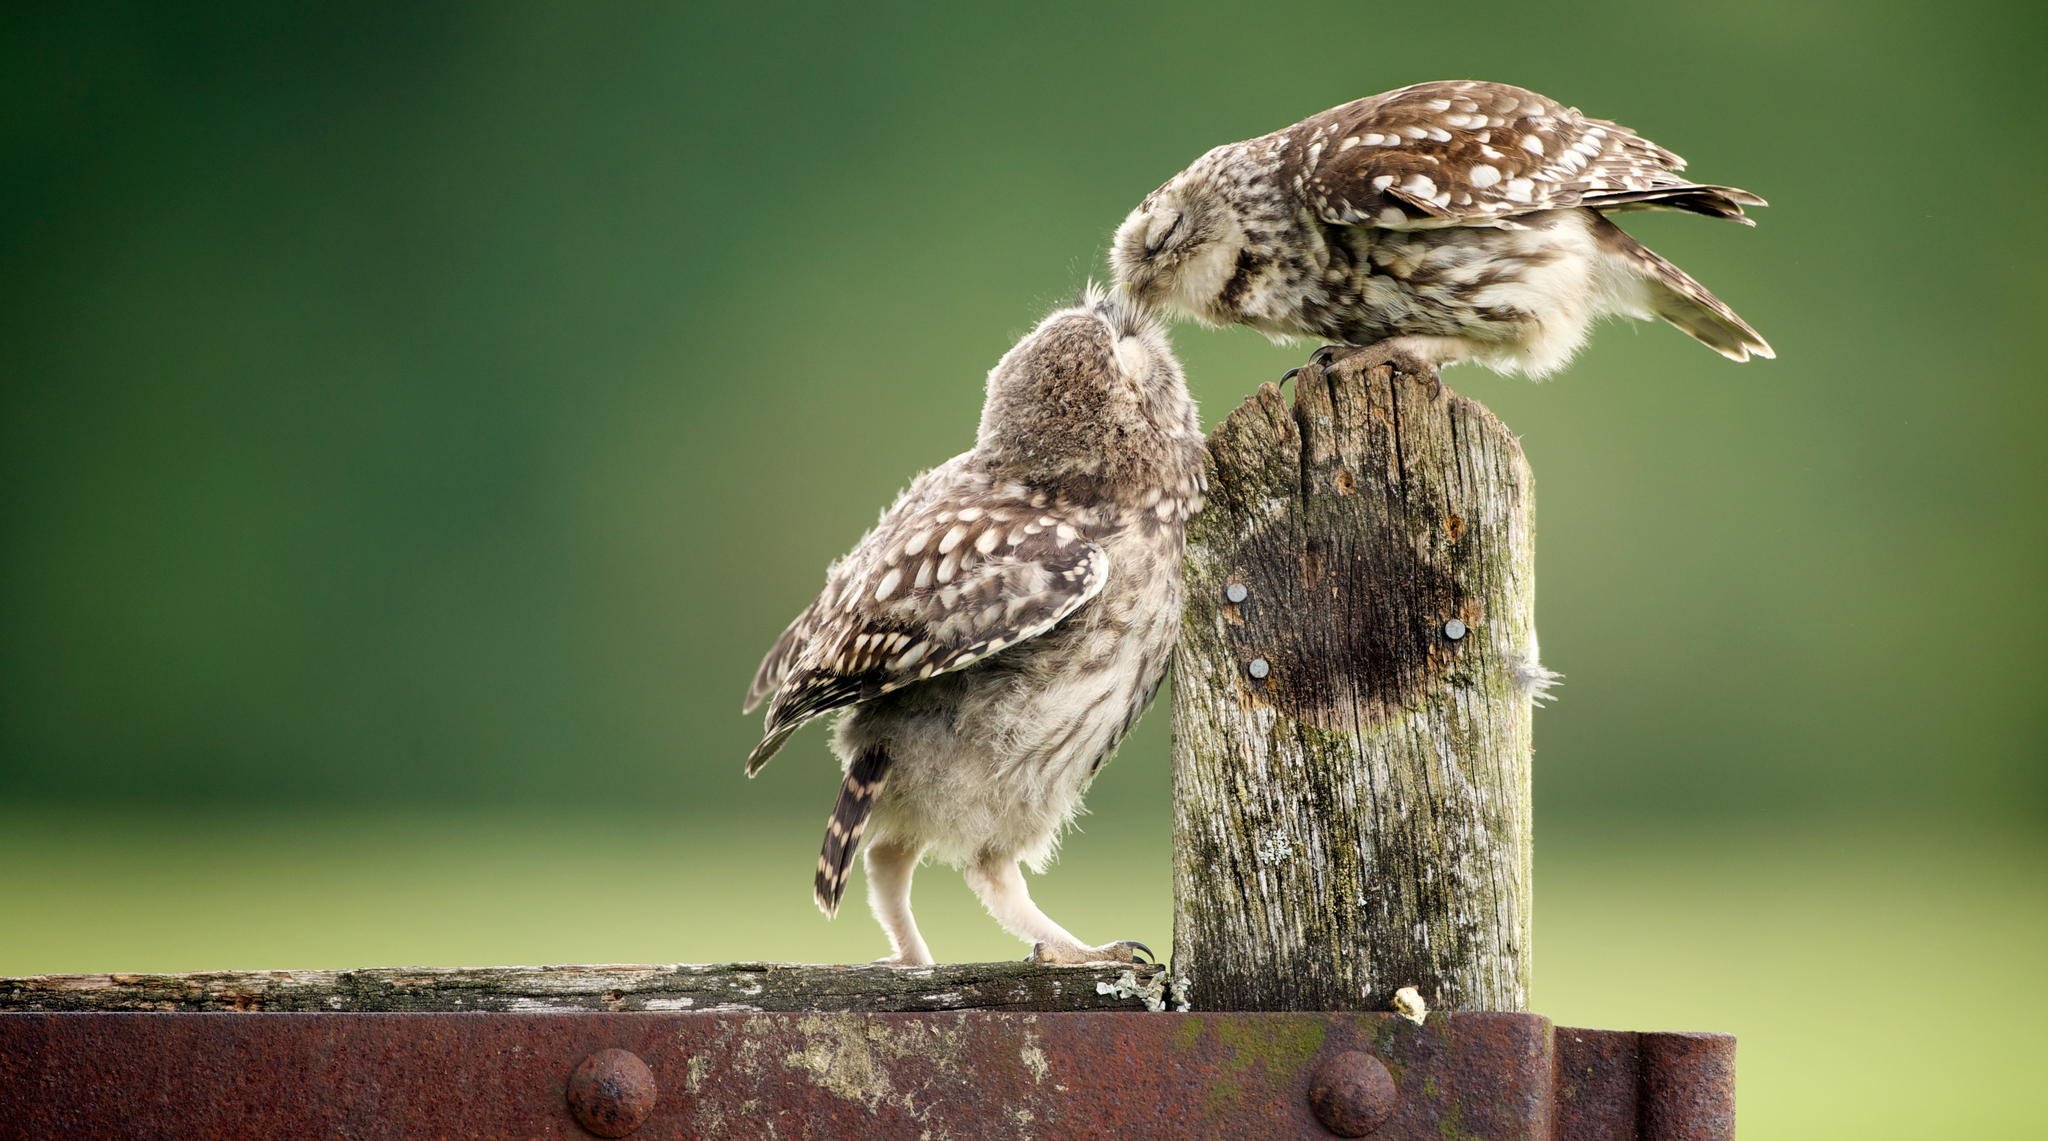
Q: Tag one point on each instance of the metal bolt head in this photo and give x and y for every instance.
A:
(1454, 629)
(612, 1093)
(1236, 592)
(1258, 668)
(1351, 1093)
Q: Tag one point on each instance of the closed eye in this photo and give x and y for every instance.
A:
(1156, 244)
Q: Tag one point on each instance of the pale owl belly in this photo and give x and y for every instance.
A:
(995, 759)
(1521, 299)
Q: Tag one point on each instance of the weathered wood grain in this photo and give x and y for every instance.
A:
(685, 987)
(1357, 819)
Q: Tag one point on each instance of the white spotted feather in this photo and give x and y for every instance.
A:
(1498, 152)
(905, 606)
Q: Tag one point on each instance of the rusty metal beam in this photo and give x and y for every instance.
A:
(787, 1075)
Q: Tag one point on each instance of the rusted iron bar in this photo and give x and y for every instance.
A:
(789, 1075)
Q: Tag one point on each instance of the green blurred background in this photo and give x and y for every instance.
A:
(418, 421)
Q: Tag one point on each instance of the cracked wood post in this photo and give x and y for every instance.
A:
(1351, 765)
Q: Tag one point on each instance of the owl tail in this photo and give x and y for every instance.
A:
(1713, 201)
(1673, 295)
(864, 780)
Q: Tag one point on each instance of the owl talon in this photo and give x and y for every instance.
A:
(1288, 375)
(1401, 359)
(900, 960)
(1124, 951)
(1360, 358)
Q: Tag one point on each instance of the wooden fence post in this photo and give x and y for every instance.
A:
(1352, 704)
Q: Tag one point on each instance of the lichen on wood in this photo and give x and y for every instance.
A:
(1352, 703)
(719, 987)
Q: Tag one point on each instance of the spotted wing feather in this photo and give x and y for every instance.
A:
(1468, 153)
(939, 584)
(775, 667)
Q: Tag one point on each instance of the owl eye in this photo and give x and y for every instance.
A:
(1156, 240)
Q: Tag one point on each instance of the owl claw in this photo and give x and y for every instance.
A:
(1124, 951)
(1288, 375)
(1365, 358)
(900, 960)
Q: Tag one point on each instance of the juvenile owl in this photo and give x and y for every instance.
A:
(1002, 627)
(1452, 221)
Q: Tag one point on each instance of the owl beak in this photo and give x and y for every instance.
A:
(1134, 269)
(1137, 282)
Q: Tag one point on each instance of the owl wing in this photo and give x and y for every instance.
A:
(1467, 153)
(917, 501)
(775, 667)
(936, 586)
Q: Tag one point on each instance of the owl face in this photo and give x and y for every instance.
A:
(1142, 360)
(1094, 361)
(1178, 247)
(1085, 391)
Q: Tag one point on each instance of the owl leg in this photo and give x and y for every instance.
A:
(1000, 884)
(890, 866)
(1414, 356)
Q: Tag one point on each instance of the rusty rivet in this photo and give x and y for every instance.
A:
(1352, 1093)
(1258, 668)
(1236, 592)
(1454, 630)
(612, 1092)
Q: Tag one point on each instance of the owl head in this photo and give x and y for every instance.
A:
(1092, 391)
(1180, 246)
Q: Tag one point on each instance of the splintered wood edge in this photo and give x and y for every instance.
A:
(1264, 427)
(676, 988)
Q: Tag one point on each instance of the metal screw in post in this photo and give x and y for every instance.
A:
(612, 1093)
(1352, 1093)
(1454, 630)
(1258, 668)
(1236, 592)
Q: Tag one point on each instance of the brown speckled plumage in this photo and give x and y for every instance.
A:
(1003, 626)
(1464, 220)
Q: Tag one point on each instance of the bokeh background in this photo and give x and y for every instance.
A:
(418, 420)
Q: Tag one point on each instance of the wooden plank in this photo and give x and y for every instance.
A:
(719, 987)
